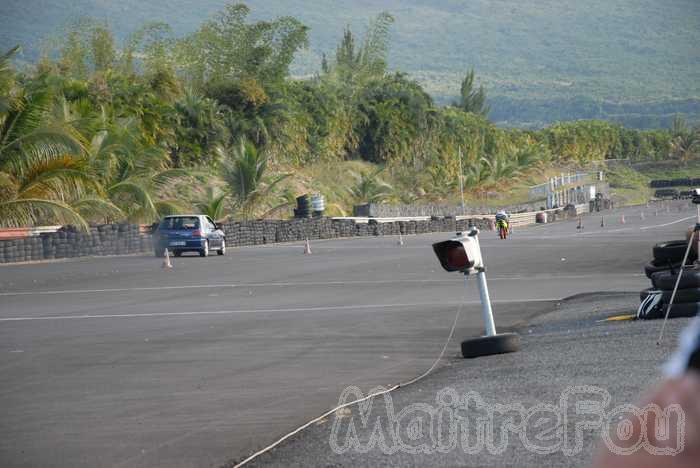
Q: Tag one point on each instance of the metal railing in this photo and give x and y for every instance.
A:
(516, 219)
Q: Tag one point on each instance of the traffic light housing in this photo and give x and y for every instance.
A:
(461, 253)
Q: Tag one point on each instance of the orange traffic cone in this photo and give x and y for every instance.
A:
(622, 219)
(307, 248)
(400, 243)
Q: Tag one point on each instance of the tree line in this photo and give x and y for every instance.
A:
(97, 131)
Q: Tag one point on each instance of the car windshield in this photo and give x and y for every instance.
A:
(182, 222)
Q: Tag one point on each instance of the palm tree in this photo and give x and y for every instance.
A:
(200, 128)
(686, 146)
(139, 191)
(471, 99)
(244, 172)
(7, 80)
(42, 163)
(134, 177)
(214, 204)
(369, 188)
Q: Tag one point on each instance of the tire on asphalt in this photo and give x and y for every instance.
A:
(489, 345)
(672, 251)
(665, 280)
(222, 250)
(205, 250)
(689, 309)
(654, 267)
(683, 296)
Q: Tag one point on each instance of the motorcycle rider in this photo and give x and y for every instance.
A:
(502, 223)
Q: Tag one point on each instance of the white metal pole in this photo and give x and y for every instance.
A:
(486, 304)
(697, 221)
(461, 183)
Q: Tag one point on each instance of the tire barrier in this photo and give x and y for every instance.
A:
(690, 309)
(303, 209)
(683, 296)
(68, 242)
(125, 239)
(671, 194)
(672, 251)
(668, 257)
(667, 279)
(654, 307)
(663, 271)
(655, 266)
(683, 182)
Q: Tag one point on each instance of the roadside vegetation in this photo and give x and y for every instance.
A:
(541, 60)
(99, 131)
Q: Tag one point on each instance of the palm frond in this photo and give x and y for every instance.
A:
(214, 205)
(134, 197)
(58, 178)
(170, 207)
(7, 80)
(166, 177)
(95, 208)
(33, 211)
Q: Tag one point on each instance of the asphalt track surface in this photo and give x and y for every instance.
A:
(116, 362)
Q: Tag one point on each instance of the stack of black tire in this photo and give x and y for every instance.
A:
(303, 209)
(682, 182)
(663, 272)
(21, 250)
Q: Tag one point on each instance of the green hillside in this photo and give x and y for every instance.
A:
(104, 130)
(634, 61)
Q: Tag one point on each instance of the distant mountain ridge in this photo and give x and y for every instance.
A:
(542, 60)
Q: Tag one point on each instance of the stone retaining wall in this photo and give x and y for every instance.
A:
(384, 210)
(124, 239)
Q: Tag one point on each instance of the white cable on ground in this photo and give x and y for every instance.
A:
(360, 400)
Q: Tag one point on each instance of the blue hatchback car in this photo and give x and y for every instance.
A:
(189, 233)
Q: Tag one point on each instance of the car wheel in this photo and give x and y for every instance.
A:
(205, 250)
(488, 345)
(222, 250)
